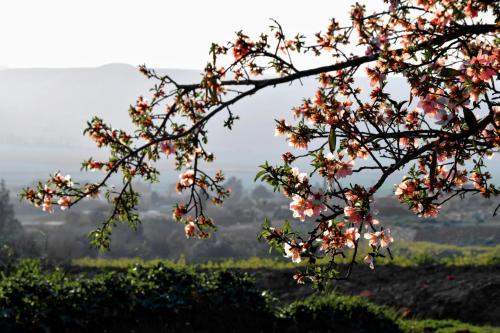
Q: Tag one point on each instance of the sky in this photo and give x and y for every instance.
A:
(159, 33)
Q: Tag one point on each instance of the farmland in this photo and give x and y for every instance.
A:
(457, 291)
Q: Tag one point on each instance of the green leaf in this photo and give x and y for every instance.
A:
(470, 120)
(287, 228)
(332, 140)
(259, 174)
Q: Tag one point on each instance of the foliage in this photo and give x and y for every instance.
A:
(332, 312)
(162, 299)
(10, 227)
(443, 326)
(13, 241)
(335, 313)
(158, 298)
(405, 255)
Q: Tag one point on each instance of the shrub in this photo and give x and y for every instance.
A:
(153, 299)
(336, 313)
(164, 299)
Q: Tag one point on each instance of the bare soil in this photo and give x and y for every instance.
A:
(468, 294)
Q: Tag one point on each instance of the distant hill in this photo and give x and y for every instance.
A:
(43, 113)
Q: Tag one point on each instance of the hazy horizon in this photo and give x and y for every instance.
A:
(62, 100)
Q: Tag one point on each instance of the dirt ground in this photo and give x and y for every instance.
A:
(469, 294)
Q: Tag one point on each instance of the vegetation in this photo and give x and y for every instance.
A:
(405, 254)
(155, 298)
(13, 240)
(163, 299)
(336, 313)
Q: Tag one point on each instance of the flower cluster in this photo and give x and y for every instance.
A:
(52, 193)
(444, 53)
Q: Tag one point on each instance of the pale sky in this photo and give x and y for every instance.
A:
(169, 34)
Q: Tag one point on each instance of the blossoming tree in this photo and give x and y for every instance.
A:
(447, 51)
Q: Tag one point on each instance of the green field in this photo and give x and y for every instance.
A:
(405, 255)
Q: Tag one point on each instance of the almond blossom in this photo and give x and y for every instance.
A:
(300, 207)
(313, 205)
(64, 202)
(338, 169)
(316, 203)
(407, 187)
(379, 238)
(190, 229)
(352, 215)
(167, 147)
(47, 205)
(344, 169)
(351, 235)
(179, 211)
(293, 252)
(369, 261)
(476, 179)
(302, 176)
(187, 178)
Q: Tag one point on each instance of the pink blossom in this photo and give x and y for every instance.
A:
(302, 176)
(369, 261)
(432, 103)
(362, 153)
(94, 166)
(315, 203)
(48, 189)
(167, 147)
(179, 211)
(382, 238)
(470, 11)
(189, 229)
(338, 169)
(351, 235)
(480, 68)
(187, 178)
(496, 110)
(431, 211)
(63, 180)
(385, 238)
(460, 178)
(372, 238)
(352, 215)
(47, 205)
(297, 141)
(299, 206)
(281, 128)
(310, 206)
(351, 196)
(344, 169)
(292, 252)
(64, 202)
(91, 191)
(407, 187)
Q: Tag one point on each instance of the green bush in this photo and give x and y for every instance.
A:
(331, 312)
(335, 313)
(165, 299)
(443, 326)
(153, 299)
